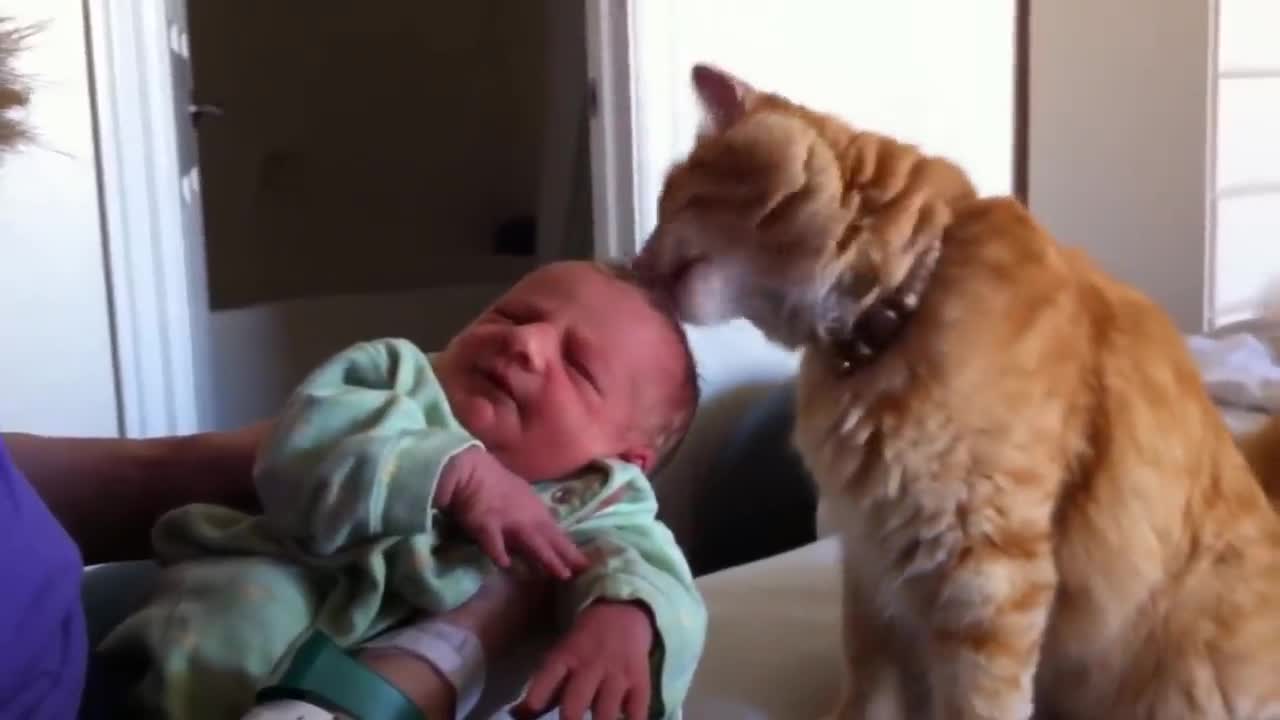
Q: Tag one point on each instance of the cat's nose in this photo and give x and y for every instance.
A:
(650, 267)
(663, 258)
(642, 265)
(646, 263)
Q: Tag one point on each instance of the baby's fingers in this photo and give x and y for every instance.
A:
(608, 704)
(569, 552)
(638, 696)
(490, 539)
(544, 688)
(579, 692)
(541, 550)
(553, 549)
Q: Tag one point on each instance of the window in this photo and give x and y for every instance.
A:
(1245, 200)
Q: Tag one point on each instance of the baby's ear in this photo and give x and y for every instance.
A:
(724, 96)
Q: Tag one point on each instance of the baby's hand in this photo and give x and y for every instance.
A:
(499, 509)
(602, 664)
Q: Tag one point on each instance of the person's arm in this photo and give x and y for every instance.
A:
(108, 493)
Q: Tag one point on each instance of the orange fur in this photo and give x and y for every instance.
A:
(1041, 507)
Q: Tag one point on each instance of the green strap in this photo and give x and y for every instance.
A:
(321, 673)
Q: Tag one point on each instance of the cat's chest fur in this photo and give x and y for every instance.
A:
(878, 461)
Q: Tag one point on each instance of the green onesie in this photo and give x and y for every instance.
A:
(350, 544)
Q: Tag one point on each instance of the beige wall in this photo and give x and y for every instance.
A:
(1119, 112)
(55, 328)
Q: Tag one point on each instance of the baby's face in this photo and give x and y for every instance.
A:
(557, 372)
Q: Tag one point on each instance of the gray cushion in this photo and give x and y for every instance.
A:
(758, 500)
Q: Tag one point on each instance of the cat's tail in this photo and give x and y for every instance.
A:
(1262, 449)
(1262, 446)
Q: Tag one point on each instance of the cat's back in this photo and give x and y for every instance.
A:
(1166, 546)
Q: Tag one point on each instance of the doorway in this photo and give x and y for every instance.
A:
(376, 169)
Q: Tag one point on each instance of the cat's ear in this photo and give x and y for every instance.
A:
(724, 96)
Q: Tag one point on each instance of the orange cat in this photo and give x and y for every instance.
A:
(1041, 508)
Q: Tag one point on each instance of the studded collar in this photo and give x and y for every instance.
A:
(883, 318)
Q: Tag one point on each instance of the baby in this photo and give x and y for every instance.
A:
(392, 485)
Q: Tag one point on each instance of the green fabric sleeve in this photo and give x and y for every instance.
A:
(358, 450)
(635, 558)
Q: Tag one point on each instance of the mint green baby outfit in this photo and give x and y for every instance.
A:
(349, 544)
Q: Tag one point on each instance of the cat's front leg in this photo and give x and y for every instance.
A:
(870, 687)
(987, 631)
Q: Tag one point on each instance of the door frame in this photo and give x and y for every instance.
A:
(156, 308)
(131, 47)
(610, 77)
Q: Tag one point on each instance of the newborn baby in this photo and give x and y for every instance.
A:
(395, 482)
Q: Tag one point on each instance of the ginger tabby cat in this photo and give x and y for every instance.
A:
(1042, 511)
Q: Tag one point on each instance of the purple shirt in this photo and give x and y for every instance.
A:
(42, 628)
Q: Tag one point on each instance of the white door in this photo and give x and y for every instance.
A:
(150, 212)
(188, 114)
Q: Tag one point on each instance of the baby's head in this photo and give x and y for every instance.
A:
(577, 362)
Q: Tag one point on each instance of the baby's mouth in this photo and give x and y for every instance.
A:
(497, 382)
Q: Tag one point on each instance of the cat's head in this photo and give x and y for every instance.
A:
(764, 219)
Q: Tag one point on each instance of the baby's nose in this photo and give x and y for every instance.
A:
(531, 345)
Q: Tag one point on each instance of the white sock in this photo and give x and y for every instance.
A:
(456, 653)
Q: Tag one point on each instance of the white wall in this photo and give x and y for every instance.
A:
(58, 374)
(936, 72)
(1119, 114)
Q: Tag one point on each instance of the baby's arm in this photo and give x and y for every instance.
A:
(367, 448)
(639, 586)
(359, 449)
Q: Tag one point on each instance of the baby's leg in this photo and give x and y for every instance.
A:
(447, 679)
